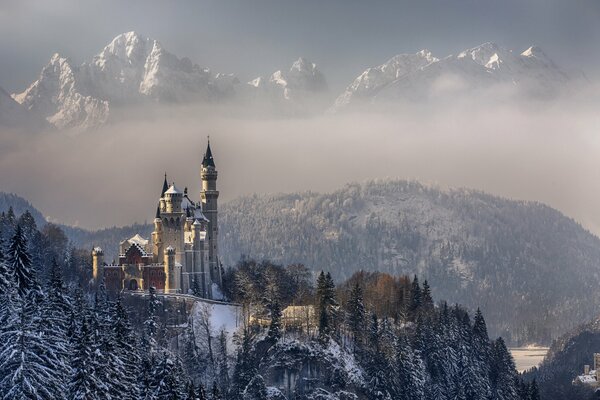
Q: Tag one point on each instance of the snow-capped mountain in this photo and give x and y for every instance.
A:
(422, 76)
(294, 90)
(130, 69)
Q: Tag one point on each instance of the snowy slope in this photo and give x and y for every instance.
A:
(519, 261)
(422, 76)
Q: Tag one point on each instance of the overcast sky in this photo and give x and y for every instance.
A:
(252, 38)
(546, 152)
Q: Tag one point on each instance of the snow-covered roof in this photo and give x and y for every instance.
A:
(173, 190)
(589, 378)
(137, 239)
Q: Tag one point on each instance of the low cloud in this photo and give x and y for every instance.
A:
(543, 151)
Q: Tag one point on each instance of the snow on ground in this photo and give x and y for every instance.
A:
(527, 357)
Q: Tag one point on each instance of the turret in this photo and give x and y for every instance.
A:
(97, 263)
(173, 198)
(172, 271)
(210, 195)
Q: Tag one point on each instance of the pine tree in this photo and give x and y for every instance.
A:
(245, 368)
(503, 373)
(20, 263)
(5, 279)
(426, 298)
(410, 372)
(256, 389)
(533, 393)
(191, 391)
(415, 298)
(216, 393)
(27, 359)
(150, 337)
(222, 364)
(167, 377)
(357, 316)
(85, 384)
(126, 350)
(326, 304)
(53, 322)
(275, 326)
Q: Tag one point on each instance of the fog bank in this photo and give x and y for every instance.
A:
(542, 151)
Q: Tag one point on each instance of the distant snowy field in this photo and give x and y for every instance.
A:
(527, 357)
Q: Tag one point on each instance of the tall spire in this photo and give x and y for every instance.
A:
(165, 186)
(208, 160)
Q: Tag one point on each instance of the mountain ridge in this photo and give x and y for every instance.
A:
(133, 69)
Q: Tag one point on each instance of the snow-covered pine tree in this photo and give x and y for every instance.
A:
(5, 279)
(19, 262)
(193, 360)
(415, 298)
(127, 352)
(410, 372)
(85, 383)
(274, 332)
(245, 368)
(222, 364)
(357, 316)
(167, 375)
(503, 373)
(28, 359)
(376, 365)
(426, 298)
(256, 389)
(53, 323)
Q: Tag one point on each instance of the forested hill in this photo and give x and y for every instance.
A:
(524, 263)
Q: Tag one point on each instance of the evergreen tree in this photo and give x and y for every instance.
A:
(415, 298)
(53, 323)
(376, 364)
(167, 376)
(20, 263)
(357, 315)
(256, 389)
(503, 373)
(326, 304)
(410, 372)
(245, 368)
(222, 364)
(533, 392)
(216, 393)
(275, 326)
(125, 347)
(5, 279)
(27, 359)
(426, 298)
(85, 384)
(191, 391)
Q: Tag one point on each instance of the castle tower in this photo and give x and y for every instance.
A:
(97, 263)
(209, 195)
(172, 271)
(157, 235)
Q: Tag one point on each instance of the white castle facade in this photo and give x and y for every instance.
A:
(182, 255)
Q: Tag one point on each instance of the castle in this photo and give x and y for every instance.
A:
(182, 255)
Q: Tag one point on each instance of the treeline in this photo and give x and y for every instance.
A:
(58, 342)
(63, 338)
(407, 347)
(523, 263)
